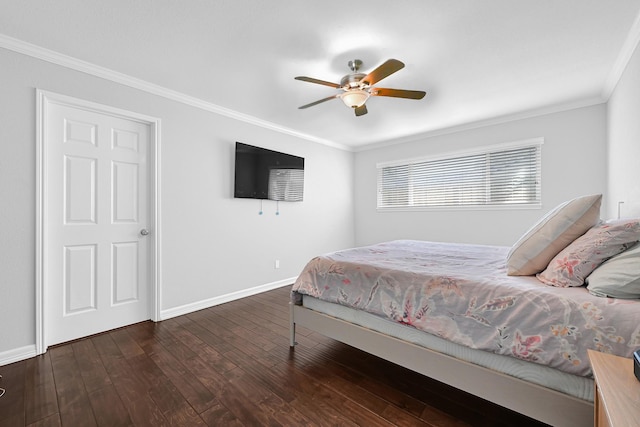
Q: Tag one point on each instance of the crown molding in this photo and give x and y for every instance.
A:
(66, 61)
(624, 56)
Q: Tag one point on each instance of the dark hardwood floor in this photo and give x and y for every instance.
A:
(229, 365)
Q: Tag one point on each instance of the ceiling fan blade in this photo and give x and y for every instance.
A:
(320, 101)
(398, 93)
(361, 110)
(320, 82)
(384, 70)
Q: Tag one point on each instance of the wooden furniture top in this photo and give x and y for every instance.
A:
(619, 388)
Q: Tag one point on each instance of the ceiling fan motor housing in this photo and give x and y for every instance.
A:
(351, 81)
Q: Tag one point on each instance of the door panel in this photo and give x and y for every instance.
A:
(79, 279)
(125, 192)
(79, 190)
(96, 262)
(125, 272)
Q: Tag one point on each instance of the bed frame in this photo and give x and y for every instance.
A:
(540, 403)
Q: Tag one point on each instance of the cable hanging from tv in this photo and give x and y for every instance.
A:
(261, 211)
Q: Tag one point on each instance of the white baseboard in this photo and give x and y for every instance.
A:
(17, 354)
(200, 305)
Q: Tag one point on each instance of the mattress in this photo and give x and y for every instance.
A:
(462, 294)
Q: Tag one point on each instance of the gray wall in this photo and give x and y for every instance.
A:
(212, 245)
(573, 164)
(624, 141)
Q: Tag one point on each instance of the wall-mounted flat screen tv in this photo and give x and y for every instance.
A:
(268, 174)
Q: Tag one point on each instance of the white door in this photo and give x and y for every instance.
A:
(97, 221)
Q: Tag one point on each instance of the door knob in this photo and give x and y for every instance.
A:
(144, 232)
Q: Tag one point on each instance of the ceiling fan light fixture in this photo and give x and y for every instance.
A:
(354, 98)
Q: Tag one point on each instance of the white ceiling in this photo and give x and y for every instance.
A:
(478, 61)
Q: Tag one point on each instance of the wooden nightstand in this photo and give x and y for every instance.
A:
(617, 391)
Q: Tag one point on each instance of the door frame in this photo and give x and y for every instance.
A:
(43, 100)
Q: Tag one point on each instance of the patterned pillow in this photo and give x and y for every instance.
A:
(551, 234)
(618, 277)
(575, 262)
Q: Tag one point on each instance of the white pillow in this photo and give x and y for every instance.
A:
(551, 234)
(618, 277)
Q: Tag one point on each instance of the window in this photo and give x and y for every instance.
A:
(500, 176)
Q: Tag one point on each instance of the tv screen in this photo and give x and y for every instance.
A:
(268, 174)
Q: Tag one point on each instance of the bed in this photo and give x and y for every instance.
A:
(457, 314)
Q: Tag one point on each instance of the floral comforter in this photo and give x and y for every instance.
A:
(462, 293)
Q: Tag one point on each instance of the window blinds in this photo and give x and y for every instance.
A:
(499, 177)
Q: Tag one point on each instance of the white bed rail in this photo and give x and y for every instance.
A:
(543, 404)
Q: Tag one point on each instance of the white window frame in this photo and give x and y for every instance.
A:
(485, 150)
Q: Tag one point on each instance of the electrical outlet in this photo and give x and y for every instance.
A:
(277, 264)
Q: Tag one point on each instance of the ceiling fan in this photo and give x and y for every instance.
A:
(358, 87)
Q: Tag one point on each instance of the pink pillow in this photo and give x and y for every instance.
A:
(574, 263)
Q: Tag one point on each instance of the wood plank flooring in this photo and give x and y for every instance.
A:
(229, 365)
